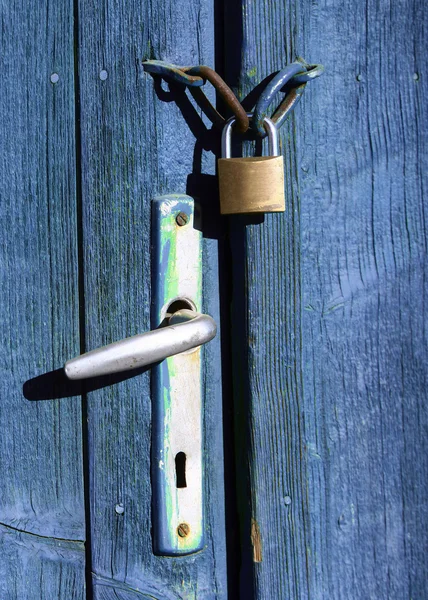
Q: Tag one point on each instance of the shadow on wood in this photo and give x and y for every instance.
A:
(55, 385)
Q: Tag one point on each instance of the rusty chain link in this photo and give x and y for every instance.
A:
(293, 78)
(194, 78)
(226, 94)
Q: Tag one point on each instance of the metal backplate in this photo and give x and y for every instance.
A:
(177, 469)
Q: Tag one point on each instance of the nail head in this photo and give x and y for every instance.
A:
(119, 508)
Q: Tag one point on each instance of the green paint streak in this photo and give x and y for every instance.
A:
(171, 282)
(169, 500)
(168, 241)
(252, 72)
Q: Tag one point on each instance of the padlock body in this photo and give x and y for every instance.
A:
(251, 185)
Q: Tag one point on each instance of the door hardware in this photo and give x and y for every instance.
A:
(187, 329)
(174, 347)
(253, 184)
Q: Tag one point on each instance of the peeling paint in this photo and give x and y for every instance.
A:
(256, 541)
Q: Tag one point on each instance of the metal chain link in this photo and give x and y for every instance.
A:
(292, 79)
(194, 78)
(226, 94)
(295, 76)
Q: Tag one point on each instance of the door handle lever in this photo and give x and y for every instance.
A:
(177, 383)
(186, 329)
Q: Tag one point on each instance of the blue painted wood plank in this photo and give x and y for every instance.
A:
(334, 372)
(40, 442)
(364, 298)
(135, 147)
(270, 443)
(34, 567)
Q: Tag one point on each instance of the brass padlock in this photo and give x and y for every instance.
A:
(252, 184)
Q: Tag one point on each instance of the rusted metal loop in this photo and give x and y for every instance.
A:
(266, 97)
(293, 77)
(294, 92)
(228, 97)
(194, 78)
(170, 71)
(291, 99)
(313, 71)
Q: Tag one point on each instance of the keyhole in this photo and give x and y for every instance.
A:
(180, 470)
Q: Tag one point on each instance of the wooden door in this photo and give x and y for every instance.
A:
(87, 144)
(321, 376)
(135, 146)
(331, 297)
(41, 491)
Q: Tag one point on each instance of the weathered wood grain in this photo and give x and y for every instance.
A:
(136, 146)
(267, 323)
(334, 305)
(40, 442)
(362, 147)
(40, 568)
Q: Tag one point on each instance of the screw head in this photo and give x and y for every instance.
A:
(119, 508)
(183, 530)
(182, 219)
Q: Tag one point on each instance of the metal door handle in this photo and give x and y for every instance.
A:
(177, 384)
(187, 329)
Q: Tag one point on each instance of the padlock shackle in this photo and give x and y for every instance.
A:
(271, 130)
